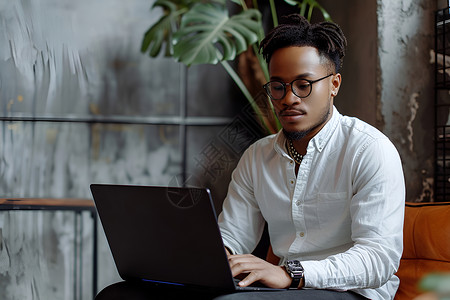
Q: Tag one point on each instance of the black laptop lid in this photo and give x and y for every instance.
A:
(163, 234)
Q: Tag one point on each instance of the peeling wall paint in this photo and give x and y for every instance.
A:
(37, 244)
(413, 106)
(56, 51)
(426, 195)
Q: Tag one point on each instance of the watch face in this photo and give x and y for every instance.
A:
(294, 266)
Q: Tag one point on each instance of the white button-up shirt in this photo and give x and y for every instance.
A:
(341, 216)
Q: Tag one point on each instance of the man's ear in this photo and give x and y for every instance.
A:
(336, 83)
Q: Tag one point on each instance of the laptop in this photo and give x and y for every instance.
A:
(165, 235)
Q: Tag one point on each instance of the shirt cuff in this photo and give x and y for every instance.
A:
(230, 250)
(311, 276)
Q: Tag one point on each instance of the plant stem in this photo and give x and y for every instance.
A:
(310, 11)
(244, 6)
(246, 93)
(255, 4)
(273, 11)
(303, 8)
(261, 62)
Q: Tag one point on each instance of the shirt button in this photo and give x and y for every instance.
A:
(292, 181)
(302, 234)
(291, 162)
(298, 203)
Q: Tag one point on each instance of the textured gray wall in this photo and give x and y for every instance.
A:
(406, 40)
(63, 66)
(75, 61)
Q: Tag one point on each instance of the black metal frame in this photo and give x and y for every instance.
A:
(442, 106)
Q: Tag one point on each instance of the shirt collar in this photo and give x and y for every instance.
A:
(319, 140)
(324, 135)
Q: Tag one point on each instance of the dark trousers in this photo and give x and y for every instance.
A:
(293, 294)
(135, 291)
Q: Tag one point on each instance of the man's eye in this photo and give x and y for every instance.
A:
(302, 85)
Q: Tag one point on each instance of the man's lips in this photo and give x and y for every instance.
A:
(291, 113)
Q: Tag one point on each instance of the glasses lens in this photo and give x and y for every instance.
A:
(302, 88)
(275, 90)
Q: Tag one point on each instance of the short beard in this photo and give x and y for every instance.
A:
(298, 135)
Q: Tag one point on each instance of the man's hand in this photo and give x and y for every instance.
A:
(260, 270)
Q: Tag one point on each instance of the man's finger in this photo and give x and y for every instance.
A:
(251, 278)
(240, 267)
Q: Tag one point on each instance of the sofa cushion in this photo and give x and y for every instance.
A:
(426, 240)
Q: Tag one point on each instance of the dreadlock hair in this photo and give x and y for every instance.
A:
(295, 30)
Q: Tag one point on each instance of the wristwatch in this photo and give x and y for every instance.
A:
(295, 270)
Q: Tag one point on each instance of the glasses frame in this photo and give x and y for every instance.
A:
(285, 84)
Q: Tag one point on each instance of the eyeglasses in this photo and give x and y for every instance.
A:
(300, 87)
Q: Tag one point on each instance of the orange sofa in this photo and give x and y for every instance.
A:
(426, 239)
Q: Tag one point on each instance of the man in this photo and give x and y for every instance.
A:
(330, 187)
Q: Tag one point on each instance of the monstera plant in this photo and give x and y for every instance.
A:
(205, 32)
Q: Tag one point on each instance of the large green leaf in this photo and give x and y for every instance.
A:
(162, 31)
(208, 35)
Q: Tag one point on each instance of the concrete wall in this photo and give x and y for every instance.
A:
(406, 39)
(388, 78)
(80, 104)
(74, 61)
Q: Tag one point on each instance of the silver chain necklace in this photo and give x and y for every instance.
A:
(297, 157)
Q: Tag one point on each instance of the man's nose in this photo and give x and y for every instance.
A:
(290, 98)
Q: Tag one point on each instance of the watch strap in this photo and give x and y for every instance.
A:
(295, 282)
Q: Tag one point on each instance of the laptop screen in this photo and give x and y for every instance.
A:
(164, 234)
